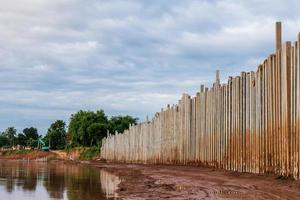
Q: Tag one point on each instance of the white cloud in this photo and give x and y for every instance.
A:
(126, 56)
(74, 49)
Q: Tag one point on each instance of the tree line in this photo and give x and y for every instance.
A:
(86, 128)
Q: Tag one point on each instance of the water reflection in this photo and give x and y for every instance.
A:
(109, 183)
(33, 180)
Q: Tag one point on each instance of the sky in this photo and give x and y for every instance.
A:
(126, 56)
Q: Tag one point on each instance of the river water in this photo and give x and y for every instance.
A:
(55, 180)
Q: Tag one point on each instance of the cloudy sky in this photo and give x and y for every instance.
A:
(125, 56)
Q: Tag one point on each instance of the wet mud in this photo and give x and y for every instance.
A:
(189, 182)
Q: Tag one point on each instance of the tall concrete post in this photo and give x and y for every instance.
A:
(218, 77)
(278, 36)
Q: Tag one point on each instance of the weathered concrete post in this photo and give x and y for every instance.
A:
(278, 36)
(250, 124)
(218, 77)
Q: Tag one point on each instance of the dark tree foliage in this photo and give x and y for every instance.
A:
(4, 141)
(9, 138)
(121, 123)
(27, 138)
(21, 139)
(10, 133)
(31, 135)
(31, 142)
(56, 135)
(87, 128)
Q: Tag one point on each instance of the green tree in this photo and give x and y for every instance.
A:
(31, 142)
(56, 135)
(31, 133)
(121, 123)
(21, 139)
(87, 128)
(4, 141)
(10, 133)
(96, 131)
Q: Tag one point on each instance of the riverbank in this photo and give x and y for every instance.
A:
(26, 155)
(183, 182)
(190, 182)
(81, 153)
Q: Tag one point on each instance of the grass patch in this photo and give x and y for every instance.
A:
(16, 152)
(88, 153)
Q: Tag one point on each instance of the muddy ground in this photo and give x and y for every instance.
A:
(188, 182)
(184, 182)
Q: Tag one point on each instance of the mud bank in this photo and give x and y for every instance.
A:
(181, 182)
(26, 155)
(188, 182)
(72, 154)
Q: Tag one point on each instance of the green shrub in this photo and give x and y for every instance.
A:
(89, 153)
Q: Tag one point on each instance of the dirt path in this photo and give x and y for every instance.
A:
(186, 182)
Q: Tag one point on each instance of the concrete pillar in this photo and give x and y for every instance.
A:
(218, 77)
(278, 34)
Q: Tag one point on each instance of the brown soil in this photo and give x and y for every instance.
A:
(183, 182)
(64, 155)
(188, 182)
(28, 156)
(37, 154)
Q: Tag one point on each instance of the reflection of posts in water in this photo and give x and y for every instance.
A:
(21, 173)
(54, 182)
(58, 180)
(109, 184)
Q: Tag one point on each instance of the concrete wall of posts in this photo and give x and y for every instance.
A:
(249, 124)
